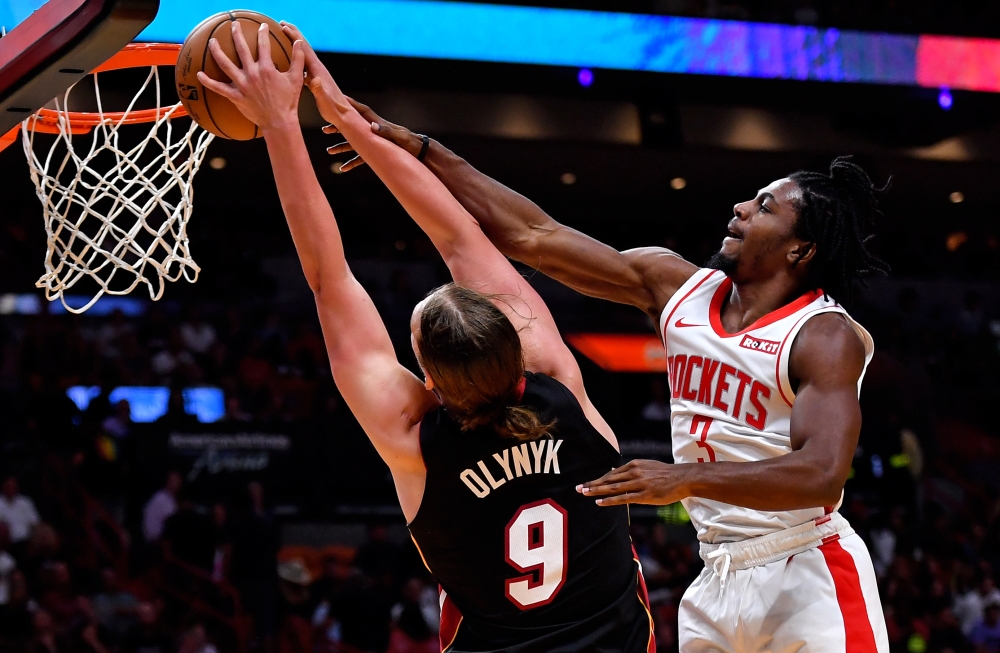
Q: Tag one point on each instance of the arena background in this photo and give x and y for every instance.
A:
(279, 470)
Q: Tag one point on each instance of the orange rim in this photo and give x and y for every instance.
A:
(133, 55)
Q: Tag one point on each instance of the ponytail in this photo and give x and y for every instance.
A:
(509, 420)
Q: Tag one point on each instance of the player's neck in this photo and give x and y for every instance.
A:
(748, 301)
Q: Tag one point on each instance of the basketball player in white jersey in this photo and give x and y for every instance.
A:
(765, 368)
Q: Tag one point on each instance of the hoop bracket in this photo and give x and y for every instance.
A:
(133, 55)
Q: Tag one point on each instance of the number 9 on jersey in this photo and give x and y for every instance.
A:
(536, 545)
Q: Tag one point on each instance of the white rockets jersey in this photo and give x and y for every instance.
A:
(731, 399)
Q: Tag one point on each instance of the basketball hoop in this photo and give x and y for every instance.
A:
(113, 213)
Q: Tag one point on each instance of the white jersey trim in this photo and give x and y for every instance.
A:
(785, 351)
(694, 281)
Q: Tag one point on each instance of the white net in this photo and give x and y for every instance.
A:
(116, 209)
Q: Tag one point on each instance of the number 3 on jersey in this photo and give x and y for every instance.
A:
(536, 545)
(705, 423)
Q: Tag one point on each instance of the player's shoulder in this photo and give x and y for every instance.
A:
(827, 343)
(663, 272)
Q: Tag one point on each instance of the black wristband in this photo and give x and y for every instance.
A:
(425, 144)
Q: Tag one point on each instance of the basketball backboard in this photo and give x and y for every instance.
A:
(57, 45)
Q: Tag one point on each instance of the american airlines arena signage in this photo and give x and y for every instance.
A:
(217, 453)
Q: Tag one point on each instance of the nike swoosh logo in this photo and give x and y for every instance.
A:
(680, 324)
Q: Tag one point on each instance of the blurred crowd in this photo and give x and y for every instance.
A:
(56, 598)
(196, 572)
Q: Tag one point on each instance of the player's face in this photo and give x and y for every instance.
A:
(761, 231)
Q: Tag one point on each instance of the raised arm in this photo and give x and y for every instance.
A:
(645, 277)
(473, 261)
(387, 399)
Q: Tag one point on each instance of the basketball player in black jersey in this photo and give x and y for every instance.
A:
(487, 452)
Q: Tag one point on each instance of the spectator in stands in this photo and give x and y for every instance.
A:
(197, 334)
(16, 615)
(174, 362)
(17, 510)
(45, 638)
(119, 423)
(255, 373)
(380, 559)
(71, 614)
(221, 542)
(160, 507)
(971, 319)
(195, 640)
(189, 535)
(985, 635)
(945, 633)
(970, 605)
(177, 418)
(112, 333)
(115, 609)
(335, 572)
(309, 342)
(414, 627)
(363, 613)
(324, 591)
(7, 563)
(658, 410)
(295, 609)
(234, 410)
(59, 598)
(41, 551)
(155, 329)
(148, 635)
(253, 566)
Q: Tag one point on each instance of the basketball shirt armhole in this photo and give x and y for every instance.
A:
(678, 298)
(785, 352)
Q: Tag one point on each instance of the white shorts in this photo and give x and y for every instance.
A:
(808, 589)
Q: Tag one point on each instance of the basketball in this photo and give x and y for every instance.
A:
(209, 109)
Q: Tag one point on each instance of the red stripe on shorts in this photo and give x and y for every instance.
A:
(858, 633)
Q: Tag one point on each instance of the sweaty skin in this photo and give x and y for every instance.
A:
(827, 357)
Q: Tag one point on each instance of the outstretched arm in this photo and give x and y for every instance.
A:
(827, 359)
(645, 277)
(387, 399)
(471, 258)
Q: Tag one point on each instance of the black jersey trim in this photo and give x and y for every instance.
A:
(572, 397)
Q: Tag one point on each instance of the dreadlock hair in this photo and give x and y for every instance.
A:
(837, 214)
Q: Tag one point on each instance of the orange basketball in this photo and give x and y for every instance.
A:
(209, 109)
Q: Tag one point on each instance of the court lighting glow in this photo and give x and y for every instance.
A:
(957, 197)
(585, 77)
(956, 240)
(607, 40)
(678, 183)
(217, 163)
(944, 99)
(568, 178)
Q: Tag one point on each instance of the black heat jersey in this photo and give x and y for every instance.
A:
(527, 563)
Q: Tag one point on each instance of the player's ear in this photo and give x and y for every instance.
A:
(429, 383)
(803, 252)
